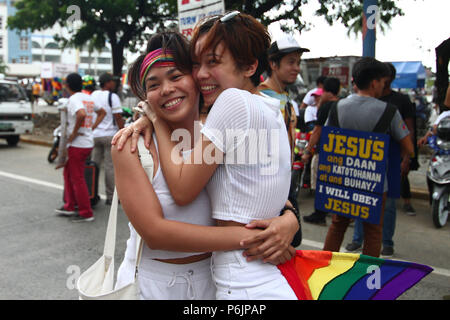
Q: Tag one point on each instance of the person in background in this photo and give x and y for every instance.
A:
(36, 93)
(329, 97)
(105, 131)
(284, 66)
(311, 110)
(362, 112)
(407, 110)
(88, 84)
(80, 114)
(309, 100)
(394, 179)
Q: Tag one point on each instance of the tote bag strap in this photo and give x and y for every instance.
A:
(110, 239)
(148, 165)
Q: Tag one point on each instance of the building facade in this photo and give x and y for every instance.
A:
(25, 53)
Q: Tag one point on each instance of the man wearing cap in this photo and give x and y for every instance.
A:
(284, 61)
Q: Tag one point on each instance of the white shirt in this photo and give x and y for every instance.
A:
(107, 127)
(253, 182)
(310, 114)
(442, 116)
(78, 101)
(309, 99)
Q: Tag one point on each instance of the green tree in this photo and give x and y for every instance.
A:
(123, 23)
(128, 23)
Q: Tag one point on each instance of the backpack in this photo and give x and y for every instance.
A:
(381, 127)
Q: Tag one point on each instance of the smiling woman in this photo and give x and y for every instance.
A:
(179, 238)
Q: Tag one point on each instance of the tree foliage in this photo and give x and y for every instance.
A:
(128, 23)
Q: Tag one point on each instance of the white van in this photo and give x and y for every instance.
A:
(15, 112)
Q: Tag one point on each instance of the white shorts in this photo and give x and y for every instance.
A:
(237, 279)
(168, 281)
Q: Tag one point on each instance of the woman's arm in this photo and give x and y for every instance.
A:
(144, 211)
(186, 178)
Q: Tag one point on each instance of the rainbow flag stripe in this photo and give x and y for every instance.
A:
(325, 275)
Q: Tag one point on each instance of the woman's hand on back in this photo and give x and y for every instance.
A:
(276, 239)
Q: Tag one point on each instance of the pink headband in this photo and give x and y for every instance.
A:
(159, 58)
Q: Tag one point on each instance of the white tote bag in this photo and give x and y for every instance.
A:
(97, 282)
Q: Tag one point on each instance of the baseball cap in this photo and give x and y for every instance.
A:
(285, 44)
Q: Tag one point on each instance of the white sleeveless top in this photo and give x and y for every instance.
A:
(197, 212)
(253, 183)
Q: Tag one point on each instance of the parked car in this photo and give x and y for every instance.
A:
(15, 112)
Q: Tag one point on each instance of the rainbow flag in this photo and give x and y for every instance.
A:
(325, 275)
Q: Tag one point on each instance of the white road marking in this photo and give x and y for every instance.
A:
(305, 242)
(37, 182)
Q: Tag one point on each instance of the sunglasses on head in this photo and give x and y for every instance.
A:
(229, 16)
(223, 19)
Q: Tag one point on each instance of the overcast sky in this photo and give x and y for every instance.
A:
(412, 37)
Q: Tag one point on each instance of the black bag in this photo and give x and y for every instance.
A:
(91, 174)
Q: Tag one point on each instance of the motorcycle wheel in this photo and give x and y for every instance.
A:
(53, 154)
(440, 210)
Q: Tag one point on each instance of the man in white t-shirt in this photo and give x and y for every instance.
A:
(103, 134)
(80, 122)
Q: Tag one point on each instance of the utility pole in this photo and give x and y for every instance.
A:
(370, 19)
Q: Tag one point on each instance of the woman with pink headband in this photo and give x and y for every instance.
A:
(176, 260)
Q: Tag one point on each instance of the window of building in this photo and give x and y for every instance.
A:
(23, 43)
(35, 45)
(36, 57)
(87, 60)
(104, 60)
(1, 22)
(23, 59)
(51, 45)
(1, 42)
(52, 59)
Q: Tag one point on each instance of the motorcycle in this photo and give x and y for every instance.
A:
(438, 174)
(53, 154)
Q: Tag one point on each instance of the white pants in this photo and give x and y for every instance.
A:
(168, 281)
(237, 279)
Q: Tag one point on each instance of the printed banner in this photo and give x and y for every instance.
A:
(351, 173)
(192, 11)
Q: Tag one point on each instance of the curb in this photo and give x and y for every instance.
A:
(28, 139)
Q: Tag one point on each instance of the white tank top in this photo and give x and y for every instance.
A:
(197, 212)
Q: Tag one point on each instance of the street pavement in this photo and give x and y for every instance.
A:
(42, 253)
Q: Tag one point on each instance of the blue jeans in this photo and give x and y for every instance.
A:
(390, 214)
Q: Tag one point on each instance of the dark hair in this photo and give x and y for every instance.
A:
(245, 38)
(105, 78)
(332, 85)
(320, 80)
(368, 69)
(393, 71)
(169, 40)
(74, 82)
